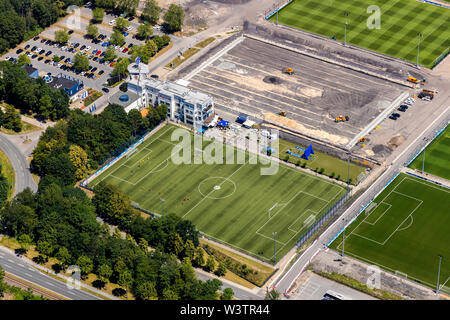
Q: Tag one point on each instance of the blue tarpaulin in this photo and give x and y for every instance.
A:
(223, 123)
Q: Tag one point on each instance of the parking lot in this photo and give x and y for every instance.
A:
(42, 48)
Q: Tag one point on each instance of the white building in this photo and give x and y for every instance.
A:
(184, 104)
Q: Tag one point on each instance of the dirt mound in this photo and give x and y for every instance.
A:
(396, 141)
(272, 80)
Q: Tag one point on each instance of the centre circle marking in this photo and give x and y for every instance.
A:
(217, 187)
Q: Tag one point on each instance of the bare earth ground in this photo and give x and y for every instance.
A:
(327, 261)
(249, 78)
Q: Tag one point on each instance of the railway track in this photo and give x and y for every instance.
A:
(11, 280)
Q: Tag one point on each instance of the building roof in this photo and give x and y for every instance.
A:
(29, 69)
(62, 83)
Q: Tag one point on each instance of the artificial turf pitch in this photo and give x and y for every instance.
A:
(231, 203)
(404, 231)
(401, 21)
(437, 156)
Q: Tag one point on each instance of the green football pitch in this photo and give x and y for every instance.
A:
(437, 156)
(400, 23)
(231, 203)
(404, 230)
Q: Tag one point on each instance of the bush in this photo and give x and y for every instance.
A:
(286, 158)
(321, 170)
(124, 87)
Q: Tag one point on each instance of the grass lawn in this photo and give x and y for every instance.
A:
(229, 203)
(205, 42)
(400, 23)
(322, 160)
(437, 156)
(26, 127)
(405, 229)
(8, 172)
(186, 55)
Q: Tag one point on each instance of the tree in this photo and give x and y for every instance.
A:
(85, 264)
(221, 270)
(210, 263)
(126, 280)
(135, 117)
(272, 295)
(199, 257)
(81, 62)
(4, 189)
(97, 15)
(174, 18)
(146, 291)
(62, 36)
(151, 12)
(45, 106)
(121, 24)
(121, 68)
(145, 31)
(227, 294)
(117, 39)
(92, 31)
(104, 272)
(64, 256)
(110, 54)
(189, 250)
(79, 159)
(11, 119)
(23, 59)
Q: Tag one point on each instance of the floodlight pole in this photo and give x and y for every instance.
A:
(274, 247)
(343, 240)
(418, 45)
(162, 201)
(345, 28)
(348, 171)
(439, 271)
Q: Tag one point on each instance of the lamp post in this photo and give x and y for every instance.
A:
(345, 28)
(348, 171)
(274, 247)
(439, 271)
(162, 202)
(418, 45)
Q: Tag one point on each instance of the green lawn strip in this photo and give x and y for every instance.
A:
(320, 160)
(8, 172)
(26, 128)
(400, 23)
(205, 42)
(186, 55)
(437, 156)
(352, 283)
(236, 213)
(406, 232)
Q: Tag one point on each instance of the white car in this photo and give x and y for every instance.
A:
(7, 58)
(157, 27)
(130, 28)
(117, 47)
(112, 22)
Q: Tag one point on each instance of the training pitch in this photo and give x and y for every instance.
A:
(403, 231)
(231, 203)
(400, 23)
(437, 156)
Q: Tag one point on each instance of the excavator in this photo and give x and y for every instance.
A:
(288, 70)
(282, 113)
(341, 118)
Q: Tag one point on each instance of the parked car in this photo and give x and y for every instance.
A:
(105, 44)
(396, 115)
(48, 53)
(70, 32)
(98, 53)
(42, 52)
(36, 38)
(34, 48)
(101, 72)
(105, 90)
(40, 58)
(27, 46)
(83, 47)
(43, 40)
(94, 69)
(392, 117)
(19, 51)
(112, 64)
(125, 50)
(34, 56)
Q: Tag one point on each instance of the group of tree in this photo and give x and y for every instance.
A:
(173, 18)
(98, 136)
(150, 48)
(4, 188)
(22, 20)
(10, 118)
(119, 6)
(81, 62)
(31, 95)
(62, 36)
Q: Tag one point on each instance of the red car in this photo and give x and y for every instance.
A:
(125, 50)
(112, 64)
(98, 53)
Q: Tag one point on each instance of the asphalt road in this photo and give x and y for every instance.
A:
(20, 165)
(396, 165)
(18, 267)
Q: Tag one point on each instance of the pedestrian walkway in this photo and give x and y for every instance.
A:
(427, 176)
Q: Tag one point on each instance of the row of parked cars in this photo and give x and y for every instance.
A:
(408, 102)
